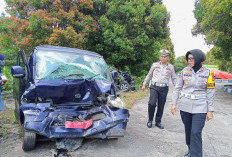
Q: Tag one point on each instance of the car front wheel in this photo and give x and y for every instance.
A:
(29, 140)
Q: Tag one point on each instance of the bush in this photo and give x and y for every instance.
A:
(139, 80)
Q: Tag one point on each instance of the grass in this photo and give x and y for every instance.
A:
(131, 97)
(7, 91)
(6, 117)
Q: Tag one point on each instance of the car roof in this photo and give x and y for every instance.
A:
(66, 49)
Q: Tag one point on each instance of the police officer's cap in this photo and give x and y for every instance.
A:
(164, 52)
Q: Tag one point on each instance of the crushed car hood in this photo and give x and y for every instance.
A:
(67, 92)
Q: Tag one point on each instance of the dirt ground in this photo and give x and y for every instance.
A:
(141, 141)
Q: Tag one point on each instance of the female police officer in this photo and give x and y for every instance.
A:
(196, 101)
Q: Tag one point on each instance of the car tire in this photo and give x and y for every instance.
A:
(29, 140)
(125, 87)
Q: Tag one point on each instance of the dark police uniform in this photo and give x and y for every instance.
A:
(160, 74)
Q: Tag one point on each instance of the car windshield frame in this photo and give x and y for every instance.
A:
(51, 64)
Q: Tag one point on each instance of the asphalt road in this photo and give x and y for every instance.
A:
(142, 141)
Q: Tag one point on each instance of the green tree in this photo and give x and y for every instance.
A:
(180, 63)
(132, 33)
(214, 19)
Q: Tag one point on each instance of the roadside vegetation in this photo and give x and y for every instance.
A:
(7, 117)
(214, 20)
(129, 98)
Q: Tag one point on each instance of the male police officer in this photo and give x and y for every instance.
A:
(160, 73)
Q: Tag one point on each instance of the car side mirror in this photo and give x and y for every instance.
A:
(114, 74)
(17, 72)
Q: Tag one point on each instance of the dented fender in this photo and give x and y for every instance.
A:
(50, 122)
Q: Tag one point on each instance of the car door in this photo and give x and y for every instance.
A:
(19, 84)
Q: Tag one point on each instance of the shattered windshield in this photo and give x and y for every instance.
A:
(69, 65)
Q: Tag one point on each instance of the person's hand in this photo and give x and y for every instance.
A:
(209, 115)
(173, 109)
(143, 87)
(4, 80)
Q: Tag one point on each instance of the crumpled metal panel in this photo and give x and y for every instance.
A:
(40, 119)
(74, 92)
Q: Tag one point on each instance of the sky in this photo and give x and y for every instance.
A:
(2, 6)
(181, 23)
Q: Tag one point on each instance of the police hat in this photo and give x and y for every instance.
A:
(2, 56)
(164, 52)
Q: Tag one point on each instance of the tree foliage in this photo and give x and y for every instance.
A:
(214, 19)
(180, 63)
(57, 22)
(128, 33)
(132, 33)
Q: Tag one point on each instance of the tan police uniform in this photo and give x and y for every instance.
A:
(160, 75)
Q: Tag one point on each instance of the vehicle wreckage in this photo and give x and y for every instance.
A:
(64, 92)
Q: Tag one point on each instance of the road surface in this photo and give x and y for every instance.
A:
(142, 141)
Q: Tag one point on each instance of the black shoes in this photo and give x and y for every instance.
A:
(187, 155)
(149, 124)
(159, 125)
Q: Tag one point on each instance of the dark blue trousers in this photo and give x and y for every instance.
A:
(193, 124)
(160, 94)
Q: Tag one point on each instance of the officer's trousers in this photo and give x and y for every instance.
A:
(193, 124)
(160, 94)
(1, 103)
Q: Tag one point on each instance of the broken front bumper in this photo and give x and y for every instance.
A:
(107, 122)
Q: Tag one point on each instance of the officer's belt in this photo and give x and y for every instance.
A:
(193, 96)
(159, 84)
